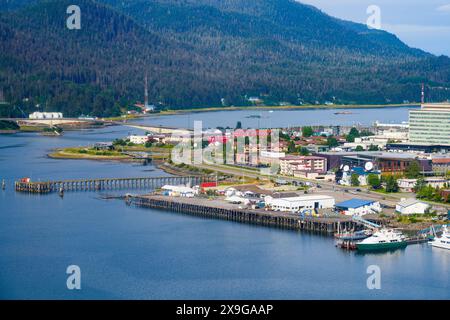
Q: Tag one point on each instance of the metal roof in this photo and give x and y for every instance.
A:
(354, 203)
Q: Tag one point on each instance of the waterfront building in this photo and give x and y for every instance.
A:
(45, 115)
(291, 164)
(180, 191)
(299, 203)
(411, 206)
(430, 124)
(138, 139)
(358, 207)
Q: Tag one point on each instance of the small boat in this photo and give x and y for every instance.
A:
(443, 241)
(353, 235)
(343, 112)
(383, 239)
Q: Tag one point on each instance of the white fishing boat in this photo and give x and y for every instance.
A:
(443, 241)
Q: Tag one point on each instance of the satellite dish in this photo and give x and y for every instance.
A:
(368, 166)
(346, 168)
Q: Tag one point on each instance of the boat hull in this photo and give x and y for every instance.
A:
(439, 245)
(380, 246)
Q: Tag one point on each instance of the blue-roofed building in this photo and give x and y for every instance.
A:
(358, 207)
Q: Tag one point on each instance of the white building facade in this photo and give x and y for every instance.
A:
(300, 203)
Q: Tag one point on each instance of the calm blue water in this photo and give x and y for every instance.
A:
(284, 118)
(133, 253)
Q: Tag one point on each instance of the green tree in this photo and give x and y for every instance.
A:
(354, 180)
(307, 132)
(332, 142)
(359, 148)
(238, 125)
(374, 181)
(291, 147)
(354, 133)
(391, 184)
(420, 184)
(373, 147)
(413, 170)
(304, 151)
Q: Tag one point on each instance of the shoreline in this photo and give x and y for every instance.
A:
(283, 108)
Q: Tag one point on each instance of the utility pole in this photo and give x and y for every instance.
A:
(422, 100)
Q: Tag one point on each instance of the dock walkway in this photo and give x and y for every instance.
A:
(107, 183)
(223, 210)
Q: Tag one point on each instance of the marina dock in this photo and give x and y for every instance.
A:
(107, 183)
(226, 211)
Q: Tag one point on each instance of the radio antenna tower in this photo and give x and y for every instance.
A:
(422, 100)
(146, 92)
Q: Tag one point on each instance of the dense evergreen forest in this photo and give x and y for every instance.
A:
(201, 53)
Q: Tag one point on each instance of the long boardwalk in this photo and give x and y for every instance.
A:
(107, 183)
(221, 210)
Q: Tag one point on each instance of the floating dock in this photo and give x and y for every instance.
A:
(108, 183)
(226, 211)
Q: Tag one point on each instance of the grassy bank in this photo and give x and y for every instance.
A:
(304, 107)
(89, 154)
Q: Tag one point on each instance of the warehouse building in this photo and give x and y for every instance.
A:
(358, 207)
(299, 203)
(411, 206)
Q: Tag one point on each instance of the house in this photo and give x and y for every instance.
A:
(411, 206)
(103, 146)
(138, 139)
(249, 191)
(358, 207)
(408, 185)
(299, 203)
(45, 115)
(179, 191)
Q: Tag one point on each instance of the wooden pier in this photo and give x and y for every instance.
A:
(108, 183)
(222, 210)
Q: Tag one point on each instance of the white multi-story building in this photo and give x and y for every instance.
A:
(291, 164)
(430, 124)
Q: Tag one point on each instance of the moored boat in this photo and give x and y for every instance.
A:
(353, 235)
(443, 241)
(384, 239)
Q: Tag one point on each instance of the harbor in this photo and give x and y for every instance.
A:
(150, 252)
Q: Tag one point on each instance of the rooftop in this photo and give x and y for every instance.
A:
(306, 198)
(354, 203)
(408, 202)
